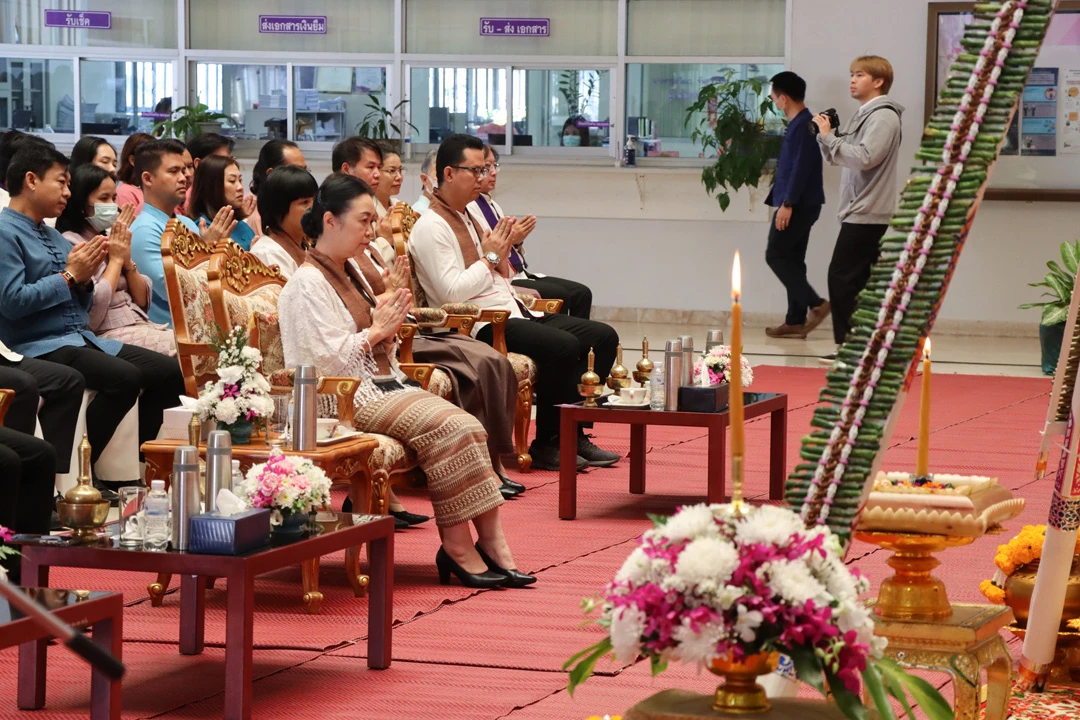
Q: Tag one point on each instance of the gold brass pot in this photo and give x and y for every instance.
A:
(740, 693)
(1021, 584)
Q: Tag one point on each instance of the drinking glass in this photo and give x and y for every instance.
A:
(132, 515)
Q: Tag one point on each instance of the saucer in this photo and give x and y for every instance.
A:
(616, 401)
(339, 437)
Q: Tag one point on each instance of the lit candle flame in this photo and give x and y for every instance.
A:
(736, 278)
(926, 348)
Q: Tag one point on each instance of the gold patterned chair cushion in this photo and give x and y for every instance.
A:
(260, 306)
(428, 317)
(469, 309)
(440, 384)
(198, 313)
(391, 455)
(524, 366)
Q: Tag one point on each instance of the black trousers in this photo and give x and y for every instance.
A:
(560, 346)
(577, 298)
(27, 479)
(119, 381)
(60, 387)
(857, 249)
(786, 255)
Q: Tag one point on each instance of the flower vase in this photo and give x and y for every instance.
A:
(241, 432)
(740, 692)
(291, 527)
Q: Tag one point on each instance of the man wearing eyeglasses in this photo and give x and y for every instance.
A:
(458, 261)
(363, 158)
(577, 298)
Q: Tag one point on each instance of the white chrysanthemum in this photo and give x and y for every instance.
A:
(854, 616)
(627, 624)
(698, 647)
(636, 568)
(231, 375)
(226, 411)
(793, 581)
(690, 522)
(877, 646)
(728, 596)
(747, 622)
(251, 354)
(839, 581)
(768, 524)
(706, 564)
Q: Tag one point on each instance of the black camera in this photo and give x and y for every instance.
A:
(834, 121)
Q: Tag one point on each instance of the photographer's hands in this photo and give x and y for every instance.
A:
(824, 126)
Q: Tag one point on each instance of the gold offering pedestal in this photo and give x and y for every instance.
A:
(684, 705)
(926, 632)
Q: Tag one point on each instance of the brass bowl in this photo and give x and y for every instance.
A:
(590, 393)
(642, 377)
(617, 383)
(1020, 586)
(83, 518)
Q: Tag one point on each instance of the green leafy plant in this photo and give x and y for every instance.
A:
(570, 88)
(187, 121)
(1060, 283)
(379, 123)
(729, 120)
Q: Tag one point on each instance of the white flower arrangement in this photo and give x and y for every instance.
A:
(717, 362)
(241, 393)
(285, 483)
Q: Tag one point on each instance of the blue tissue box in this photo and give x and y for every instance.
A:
(212, 534)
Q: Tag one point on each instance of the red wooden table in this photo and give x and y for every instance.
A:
(756, 404)
(239, 572)
(104, 611)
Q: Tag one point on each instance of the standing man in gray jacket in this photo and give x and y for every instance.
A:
(867, 149)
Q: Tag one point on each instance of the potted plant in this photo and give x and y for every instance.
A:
(187, 121)
(241, 395)
(291, 486)
(1055, 311)
(730, 122)
(729, 591)
(379, 123)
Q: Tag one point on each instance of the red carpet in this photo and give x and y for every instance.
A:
(498, 654)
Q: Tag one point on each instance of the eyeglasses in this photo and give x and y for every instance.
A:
(493, 167)
(395, 171)
(480, 172)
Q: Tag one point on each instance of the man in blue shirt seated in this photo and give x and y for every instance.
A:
(797, 194)
(159, 169)
(46, 289)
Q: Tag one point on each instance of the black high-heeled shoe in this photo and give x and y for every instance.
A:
(514, 578)
(515, 486)
(447, 566)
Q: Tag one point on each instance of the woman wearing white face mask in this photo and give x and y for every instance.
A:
(121, 292)
(573, 135)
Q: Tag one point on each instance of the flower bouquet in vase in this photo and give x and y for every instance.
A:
(291, 486)
(241, 395)
(714, 367)
(730, 592)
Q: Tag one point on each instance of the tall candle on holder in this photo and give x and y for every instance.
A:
(735, 403)
(922, 463)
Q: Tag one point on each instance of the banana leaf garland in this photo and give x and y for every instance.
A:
(898, 306)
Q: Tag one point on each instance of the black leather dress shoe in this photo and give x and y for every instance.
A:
(409, 518)
(448, 566)
(546, 457)
(514, 578)
(515, 486)
(107, 493)
(507, 493)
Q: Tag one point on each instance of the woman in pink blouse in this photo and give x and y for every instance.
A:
(128, 191)
(121, 293)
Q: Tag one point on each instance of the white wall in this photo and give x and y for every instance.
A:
(652, 238)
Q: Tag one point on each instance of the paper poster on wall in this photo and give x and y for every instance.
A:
(1038, 123)
(1070, 113)
(368, 79)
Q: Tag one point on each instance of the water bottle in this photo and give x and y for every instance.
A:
(156, 528)
(237, 477)
(656, 388)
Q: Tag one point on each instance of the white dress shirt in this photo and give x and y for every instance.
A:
(270, 253)
(8, 354)
(441, 271)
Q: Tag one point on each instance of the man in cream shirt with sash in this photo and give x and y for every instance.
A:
(458, 262)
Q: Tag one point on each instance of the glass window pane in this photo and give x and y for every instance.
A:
(96, 23)
(551, 105)
(725, 28)
(309, 26)
(577, 27)
(252, 95)
(122, 98)
(37, 95)
(458, 100)
(658, 94)
(331, 102)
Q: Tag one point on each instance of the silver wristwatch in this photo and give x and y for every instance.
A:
(492, 258)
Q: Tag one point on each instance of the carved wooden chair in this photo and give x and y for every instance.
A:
(402, 220)
(6, 396)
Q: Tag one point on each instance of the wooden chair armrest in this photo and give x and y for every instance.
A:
(6, 396)
(405, 339)
(343, 387)
(498, 319)
(418, 372)
(462, 323)
(429, 317)
(546, 305)
(471, 309)
(196, 348)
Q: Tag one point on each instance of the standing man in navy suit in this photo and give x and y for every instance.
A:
(797, 194)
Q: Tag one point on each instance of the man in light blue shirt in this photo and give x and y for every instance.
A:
(46, 290)
(159, 169)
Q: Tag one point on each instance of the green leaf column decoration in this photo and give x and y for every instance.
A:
(896, 310)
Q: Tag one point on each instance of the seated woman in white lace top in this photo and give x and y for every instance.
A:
(330, 320)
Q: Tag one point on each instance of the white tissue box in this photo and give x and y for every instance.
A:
(174, 425)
